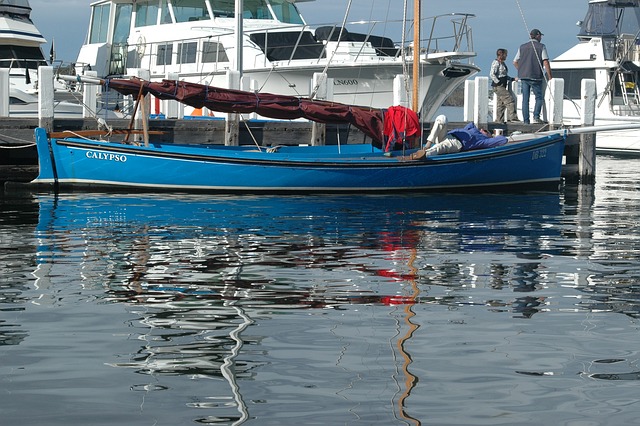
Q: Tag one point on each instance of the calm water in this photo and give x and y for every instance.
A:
(431, 309)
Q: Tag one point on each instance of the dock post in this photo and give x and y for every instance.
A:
(4, 90)
(494, 109)
(250, 85)
(469, 99)
(45, 97)
(481, 100)
(90, 97)
(555, 95)
(587, 159)
(319, 130)
(232, 120)
(171, 108)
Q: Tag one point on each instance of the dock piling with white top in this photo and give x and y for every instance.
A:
(4, 88)
(45, 97)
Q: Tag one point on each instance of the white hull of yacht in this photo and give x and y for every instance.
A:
(366, 85)
(613, 142)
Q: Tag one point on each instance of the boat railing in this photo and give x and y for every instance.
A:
(460, 39)
(14, 63)
(158, 56)
(356, 40)
(447, 33)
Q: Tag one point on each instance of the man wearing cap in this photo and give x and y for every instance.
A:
(530, 59)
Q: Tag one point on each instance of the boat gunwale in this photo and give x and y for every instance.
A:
(361, 160)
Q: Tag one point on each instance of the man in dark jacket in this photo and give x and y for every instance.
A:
(465, 139)
(530, 61)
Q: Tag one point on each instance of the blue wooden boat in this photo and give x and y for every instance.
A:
(78, 162)
(72, 162)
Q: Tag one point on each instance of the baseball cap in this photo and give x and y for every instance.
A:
(535, 32)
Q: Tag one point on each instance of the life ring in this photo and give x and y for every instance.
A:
(141, 46)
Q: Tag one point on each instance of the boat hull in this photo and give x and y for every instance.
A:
(79, 163)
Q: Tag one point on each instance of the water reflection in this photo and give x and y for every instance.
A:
(158, 250)
(204, 278)
(17, 216)
(199, 272)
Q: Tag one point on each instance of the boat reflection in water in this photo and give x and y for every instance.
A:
(206, 278)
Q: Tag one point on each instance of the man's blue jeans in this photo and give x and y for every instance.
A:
(527, 87)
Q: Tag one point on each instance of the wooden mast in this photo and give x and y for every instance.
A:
(416, 54)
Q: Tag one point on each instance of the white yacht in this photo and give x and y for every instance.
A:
(608, 51)
(21, 53)
(195, 39)
(20, 45)
(25, 105)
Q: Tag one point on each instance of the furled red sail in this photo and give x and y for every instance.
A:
(369, 120)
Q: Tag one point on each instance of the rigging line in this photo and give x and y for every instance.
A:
(326, 68)
(526, 26)
(255, 141)
(405, 70)
(19, 147)
(28, 142)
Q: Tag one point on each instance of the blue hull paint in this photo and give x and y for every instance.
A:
(76, 162)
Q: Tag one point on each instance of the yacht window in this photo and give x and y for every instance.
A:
(603, 19)
(213, 52)
(28, 57)
(573, 80)
(6, 55)
(256, 9)
(146, 13)
(16, 101)
(190, 10)
(187, 53)
(165, 13)
(123, 23)
(223, 8)
(286, 12)
(252, 9)
(164, 54)
(11, 53)
(99, 24)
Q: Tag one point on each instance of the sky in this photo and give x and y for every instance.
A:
(497, 23)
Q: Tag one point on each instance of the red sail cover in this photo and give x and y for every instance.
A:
(400, 123)
(369, 120)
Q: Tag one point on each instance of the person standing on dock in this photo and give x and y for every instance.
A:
(532, 60)
(500, 82)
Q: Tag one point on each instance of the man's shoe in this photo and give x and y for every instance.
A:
(538, 121)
